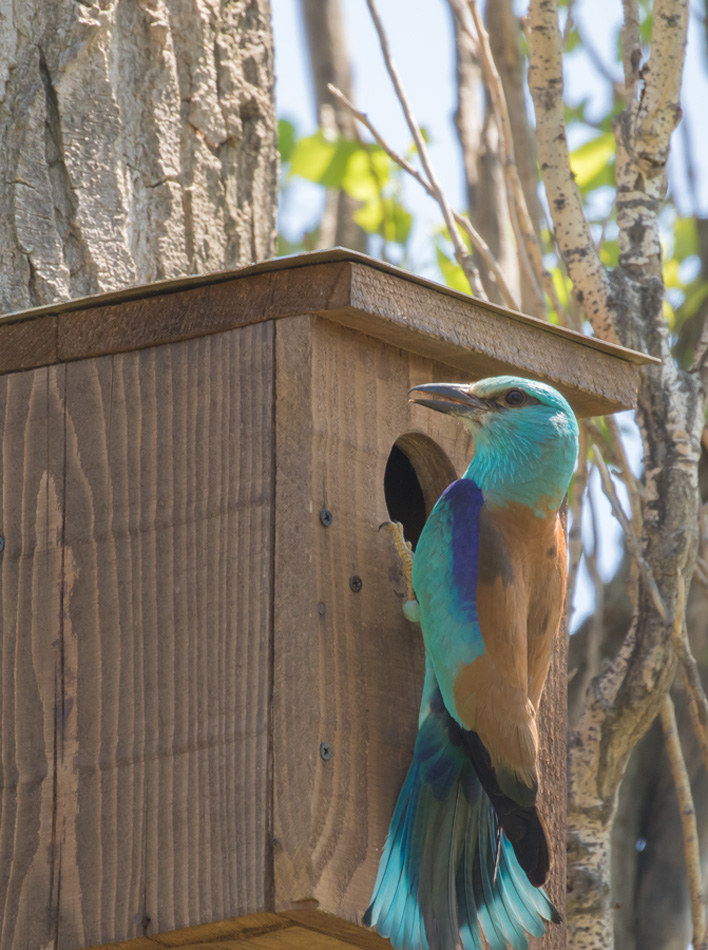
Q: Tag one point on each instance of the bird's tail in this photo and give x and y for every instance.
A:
(448, 870)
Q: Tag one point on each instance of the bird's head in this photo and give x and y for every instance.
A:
(525, 434)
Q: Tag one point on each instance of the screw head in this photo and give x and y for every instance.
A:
(325, 751)
(326, 517)
(355, 583)
(321, 609)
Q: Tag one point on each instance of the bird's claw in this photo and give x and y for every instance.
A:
(405, 556)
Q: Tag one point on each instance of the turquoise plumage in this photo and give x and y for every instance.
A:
(466, 850)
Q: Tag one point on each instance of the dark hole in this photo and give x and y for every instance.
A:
(404, 496)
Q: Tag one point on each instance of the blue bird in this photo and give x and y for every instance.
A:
(466, 851)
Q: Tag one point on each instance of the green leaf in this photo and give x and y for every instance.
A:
(322, 159)
(645, 29)
(452, 273)
(572, 41)
(286, 138)
(696, 294)
(387, 217)
(671, 274)
(593, 162)
(367, 171)
(685, 238)
(609, 252)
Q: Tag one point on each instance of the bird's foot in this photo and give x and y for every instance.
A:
(404, 550)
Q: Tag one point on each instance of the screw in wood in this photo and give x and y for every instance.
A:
(2, 544)
(325, 751)
(326, 517)
(355, 582)
(321, 609)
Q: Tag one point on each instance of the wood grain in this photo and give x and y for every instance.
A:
(349, 671)
(136, 595)
(475, 337)
(34, 657)
(483, 342)
(292, 931)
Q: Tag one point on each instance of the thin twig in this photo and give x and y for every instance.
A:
(475, 237)
(700, 728)
(630, 537)
(701, 351)
(698, 703)
(516, 198)
(627, 475)
(688, 817)
(463, 258)
(594, 637)
(600, 66)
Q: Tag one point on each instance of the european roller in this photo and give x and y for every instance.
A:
(466, 849)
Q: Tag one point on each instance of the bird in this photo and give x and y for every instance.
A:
(467, 851)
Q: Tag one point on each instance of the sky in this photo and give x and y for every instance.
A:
(422, 46)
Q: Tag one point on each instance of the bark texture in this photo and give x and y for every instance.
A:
(626, 305)
(329, 63)
(139, 143)
(478, 137)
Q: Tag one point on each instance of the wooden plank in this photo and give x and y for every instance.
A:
(36, 655)
(200, 311)
(476, 337)
(340, 407)
(330, 925)
(483, 342)
(28, 343)
(263, 930)
(153, 815)
(290, 938)
(236, 928)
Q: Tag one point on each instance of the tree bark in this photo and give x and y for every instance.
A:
(626, 306)
(477, 134)
(329, 63)
(140, 143)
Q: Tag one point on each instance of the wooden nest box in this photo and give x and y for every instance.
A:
(209, 693)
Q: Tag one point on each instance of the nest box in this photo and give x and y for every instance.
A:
(209, 692)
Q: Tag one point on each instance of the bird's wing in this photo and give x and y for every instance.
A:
(473, 618)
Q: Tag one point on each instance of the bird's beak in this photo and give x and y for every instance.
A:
(455, 399)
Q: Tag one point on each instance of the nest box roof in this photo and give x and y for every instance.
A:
(350, 288)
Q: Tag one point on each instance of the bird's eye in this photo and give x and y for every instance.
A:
(515, 398)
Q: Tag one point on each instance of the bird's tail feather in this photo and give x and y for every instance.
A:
(447, 871)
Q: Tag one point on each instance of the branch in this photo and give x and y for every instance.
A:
(630, 537)
(688, 817)
(475, 237)
(463, 258)
(504, 30)
(486, 205)
(590, 280)
(532, 259)
(627, 475)
(643, 134)
(631, 49)
(698, 704)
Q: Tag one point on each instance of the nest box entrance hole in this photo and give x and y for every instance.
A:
(417, 472)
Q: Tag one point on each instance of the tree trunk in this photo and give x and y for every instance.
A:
(329, 63)
(139, 143)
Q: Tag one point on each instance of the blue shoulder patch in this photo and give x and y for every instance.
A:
(463, 500)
